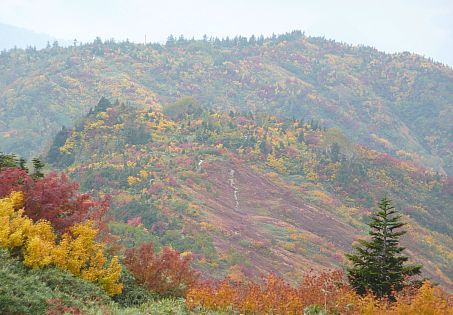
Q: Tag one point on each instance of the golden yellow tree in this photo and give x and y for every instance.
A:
(77, 252)
(13, 222)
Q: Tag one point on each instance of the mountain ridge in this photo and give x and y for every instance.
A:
(396, 103)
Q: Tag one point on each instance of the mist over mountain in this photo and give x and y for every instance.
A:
(13, 36)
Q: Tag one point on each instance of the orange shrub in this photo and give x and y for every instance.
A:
(326, 289)
(274, 295)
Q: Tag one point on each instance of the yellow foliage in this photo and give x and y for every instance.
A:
(386, 143)
(205, 226)
(39, 246)
(37, 253)
(79, 247)
(77, 252)
(319, 194)
(17, 199)
(98, 124)
(95, 270)
(110, 276)
(291, 247)
(428, 301)
(118, 127)
(312, 176)
(143, 174)
(166, 124)
(69, 144)
(61, 253)
(276, 164)
(132, 180)
(85, 258)
(102, 115)
(14, 223)
(131, 164)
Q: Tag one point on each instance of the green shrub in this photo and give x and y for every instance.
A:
(21, 293)
(27, 291)
(314, 309)
(133, 294)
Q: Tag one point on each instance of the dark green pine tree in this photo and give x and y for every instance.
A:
(301, 137)
(23, 164)
(37, 166)
(263, 146)
(335, 152)
(378, 265)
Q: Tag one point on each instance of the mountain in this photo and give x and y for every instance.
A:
(400, 104)
(13, 36)
(249, 193)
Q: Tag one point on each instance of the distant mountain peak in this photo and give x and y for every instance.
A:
(13, 36)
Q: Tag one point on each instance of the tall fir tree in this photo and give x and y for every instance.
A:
(23, 164)
(378, 265)
(37, 166)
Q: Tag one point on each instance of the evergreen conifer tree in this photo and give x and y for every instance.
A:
(301, 137)
(378, 265)
(335, 152)
(23, 164)
(37, 166)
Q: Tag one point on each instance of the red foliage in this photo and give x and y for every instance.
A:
(57, 307)
(155, 188)
(166, 272)
(12, 179)
(171, 181)
(311, 138)
(54, 198)
(273, 296)
(135, 221)
(159, 227)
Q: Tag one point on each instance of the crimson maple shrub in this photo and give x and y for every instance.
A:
(166, 272)
(54, 198)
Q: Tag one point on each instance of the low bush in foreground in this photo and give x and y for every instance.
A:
(33, 291)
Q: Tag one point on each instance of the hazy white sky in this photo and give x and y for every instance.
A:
(421, 26)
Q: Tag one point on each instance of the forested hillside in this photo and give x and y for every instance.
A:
(249, 193)
(400, 104)
(234, 175)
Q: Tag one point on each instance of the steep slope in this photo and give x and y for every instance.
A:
(400, 104)
(250, 194)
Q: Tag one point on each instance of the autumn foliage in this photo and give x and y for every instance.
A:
(57, 307)
(320, 291)
(426, 300)
(273, 295)
(166, 272)
(75, 251)
(53, 198)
